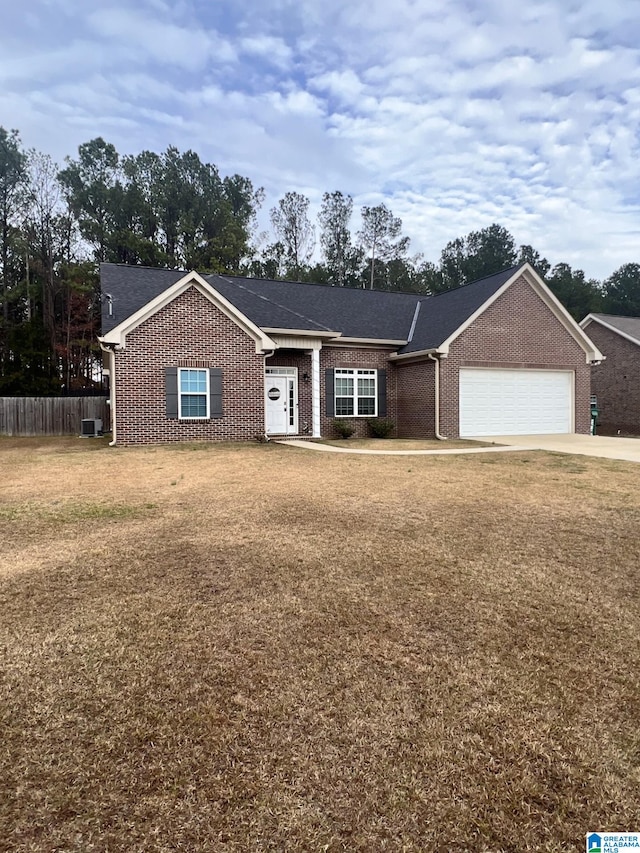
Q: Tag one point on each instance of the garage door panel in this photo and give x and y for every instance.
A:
(515, 402)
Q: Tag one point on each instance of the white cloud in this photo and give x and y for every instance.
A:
(160, 41)
(456, 114)
(274, 50)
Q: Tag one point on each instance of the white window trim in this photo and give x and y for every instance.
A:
(206, 394)
(355, 373)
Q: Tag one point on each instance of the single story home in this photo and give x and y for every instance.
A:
(205, 357)
(616, 382)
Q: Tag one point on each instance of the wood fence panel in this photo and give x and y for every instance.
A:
(50, 415)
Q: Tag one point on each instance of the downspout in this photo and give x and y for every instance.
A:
(112, 390)
(436, 394)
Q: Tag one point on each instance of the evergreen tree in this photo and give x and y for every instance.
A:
(622, 291)
(380, 238)
(13, 177)
(579, 295)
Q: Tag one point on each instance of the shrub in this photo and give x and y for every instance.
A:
(381, 427)
(345, 429)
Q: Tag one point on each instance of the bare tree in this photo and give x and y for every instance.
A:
(290, 221)
(335, 236)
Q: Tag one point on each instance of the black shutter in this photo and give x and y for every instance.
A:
(382, 393)
(329, 388)
(215, 392)
(171, 391)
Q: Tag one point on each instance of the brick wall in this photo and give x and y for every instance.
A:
(190, 331)
(519, 331)
(616, 382)
(356, 358)
(416, 399)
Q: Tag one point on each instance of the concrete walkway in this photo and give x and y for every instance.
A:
(603, 447)
(312, 445)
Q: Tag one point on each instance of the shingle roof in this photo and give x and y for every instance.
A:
(269, 304)
(627, 325)
(441, 315)
(259, 305)
(356, 313)
(125, 289)
(368, 314)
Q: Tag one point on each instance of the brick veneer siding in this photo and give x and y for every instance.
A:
(377, 359)
(519, 331)
(616, 382)
(416, 399)
(190, 331)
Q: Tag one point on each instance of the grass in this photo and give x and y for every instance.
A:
(401, 444)
(240, 648)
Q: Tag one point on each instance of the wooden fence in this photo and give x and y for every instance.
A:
(50, 415)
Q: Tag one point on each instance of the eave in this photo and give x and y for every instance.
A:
(301, 333)
(591, 318)
(418, 355)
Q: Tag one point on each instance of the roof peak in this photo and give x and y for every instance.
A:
(324, 284)
(478, 280)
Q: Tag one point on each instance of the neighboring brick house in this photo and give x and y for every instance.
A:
(194, 357)
(616, 382)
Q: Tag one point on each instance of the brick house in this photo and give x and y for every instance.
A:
(616, 382)
(193, 357)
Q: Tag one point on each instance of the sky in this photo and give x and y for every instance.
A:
(455, 114)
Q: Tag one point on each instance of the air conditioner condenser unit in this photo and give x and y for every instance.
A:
(90, 428)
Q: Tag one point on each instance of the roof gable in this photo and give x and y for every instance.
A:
(444, 314)
(448, 317)
(117, 334)
(626, 327)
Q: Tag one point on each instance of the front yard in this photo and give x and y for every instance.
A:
(239, 648)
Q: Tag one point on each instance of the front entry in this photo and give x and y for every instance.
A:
(281, 400)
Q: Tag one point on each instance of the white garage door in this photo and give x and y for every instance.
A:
(515, 402)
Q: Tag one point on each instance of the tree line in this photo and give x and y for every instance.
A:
(173, 210)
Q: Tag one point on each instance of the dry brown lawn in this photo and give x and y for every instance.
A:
(259, 648)
(402, 444)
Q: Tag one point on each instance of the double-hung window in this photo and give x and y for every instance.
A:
(356, 392)
(193, 393)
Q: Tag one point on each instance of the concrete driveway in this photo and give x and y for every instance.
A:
(603, 446)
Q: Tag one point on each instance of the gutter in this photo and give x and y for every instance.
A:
(436, 389)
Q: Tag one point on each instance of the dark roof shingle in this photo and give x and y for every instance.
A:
(439, 318)
(368, 314)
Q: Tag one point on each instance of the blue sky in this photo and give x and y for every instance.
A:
(456, 114)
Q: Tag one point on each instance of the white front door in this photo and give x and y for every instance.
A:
(281, 400)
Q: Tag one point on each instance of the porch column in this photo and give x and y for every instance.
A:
(315, 392)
